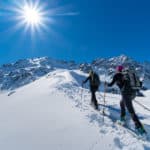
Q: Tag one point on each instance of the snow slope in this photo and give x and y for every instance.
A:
(53, 113)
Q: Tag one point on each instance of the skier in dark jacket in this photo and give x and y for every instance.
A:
(94, 85)
(128, 94)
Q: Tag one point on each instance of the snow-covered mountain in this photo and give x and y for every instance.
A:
(111, 63)
(25, 71)
(106, 67)
(54, 112)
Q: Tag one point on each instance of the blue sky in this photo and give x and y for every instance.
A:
(81, 30)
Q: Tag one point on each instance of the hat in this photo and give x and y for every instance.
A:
(119, 68)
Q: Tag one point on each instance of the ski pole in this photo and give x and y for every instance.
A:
(104, 100)
(82, 92)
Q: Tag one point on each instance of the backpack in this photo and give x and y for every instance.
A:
(95, 80)
(133, 80)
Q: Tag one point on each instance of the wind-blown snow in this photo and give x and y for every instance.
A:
(54, 112)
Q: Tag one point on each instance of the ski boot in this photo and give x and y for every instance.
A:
(95, 106)
(141, 130)
(122, 121)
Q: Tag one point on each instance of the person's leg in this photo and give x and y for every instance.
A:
(93, 98)
(129, 105)
(123, 110)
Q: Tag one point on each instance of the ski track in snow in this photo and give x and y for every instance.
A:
(121, 138)
(68, 84)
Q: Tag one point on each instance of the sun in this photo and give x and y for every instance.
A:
(31, 16)
(36, 17)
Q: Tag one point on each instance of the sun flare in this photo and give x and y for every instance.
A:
(36, 17)
(31, 16)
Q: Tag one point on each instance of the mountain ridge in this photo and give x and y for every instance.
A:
(24, 71)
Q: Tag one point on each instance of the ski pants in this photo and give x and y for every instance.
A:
(127, 102)
(93, 95)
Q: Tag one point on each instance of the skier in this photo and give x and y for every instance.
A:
(128, 94)
(94, 85)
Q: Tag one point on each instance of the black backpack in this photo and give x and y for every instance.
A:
(95, 81)
(133, 79)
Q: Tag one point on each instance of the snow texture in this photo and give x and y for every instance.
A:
(54, 112)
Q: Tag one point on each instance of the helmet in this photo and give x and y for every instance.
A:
(119, 68)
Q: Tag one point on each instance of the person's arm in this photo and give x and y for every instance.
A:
(83, 82)
(112, 82)
(86, 79)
